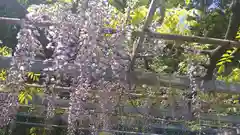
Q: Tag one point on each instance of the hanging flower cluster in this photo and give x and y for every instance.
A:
(79, 50)
(8, 109)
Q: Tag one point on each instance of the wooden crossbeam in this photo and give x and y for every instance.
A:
(98, 130)
(156, 126)
(157, 114)
(20, 22)
(193, 39)
(11, 21)
(140, 77)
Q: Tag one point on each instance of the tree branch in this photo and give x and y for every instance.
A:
(233, 26)
(148, 21)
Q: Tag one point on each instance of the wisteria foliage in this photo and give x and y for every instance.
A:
(80, 51)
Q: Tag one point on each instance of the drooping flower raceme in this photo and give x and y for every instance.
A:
(80, 52)
(8, 108)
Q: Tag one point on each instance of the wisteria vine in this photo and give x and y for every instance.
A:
(80, 51)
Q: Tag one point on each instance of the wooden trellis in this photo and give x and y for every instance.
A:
(139, 77)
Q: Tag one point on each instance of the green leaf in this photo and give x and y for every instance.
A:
(221, 69)
(21, 97)
(30, 75)
(238, 35)
(138, 15)
(220, 63)
(29, 97)
(236, 77)
(229, 51)
(37, 79)
(225, 58)
(33, 76)
(187, 2)
(26, 101)
(229, 60)
(226, 55)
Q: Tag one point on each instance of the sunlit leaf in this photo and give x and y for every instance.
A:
(21, 97)
(229, 60)
(220, 63)
(187, 2)
(221, 69)
(226, 55)
(29, 97)
(138, 15)
(229, 51)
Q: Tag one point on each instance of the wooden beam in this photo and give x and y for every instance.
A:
(20, 22)
(154, 112)
(157, 114)
(233, 119)
(11, 21)
(98, 130)
(194, 39)
(140, 77)
(155, 125)
(218, 129)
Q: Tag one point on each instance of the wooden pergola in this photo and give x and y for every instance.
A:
(140, 77)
